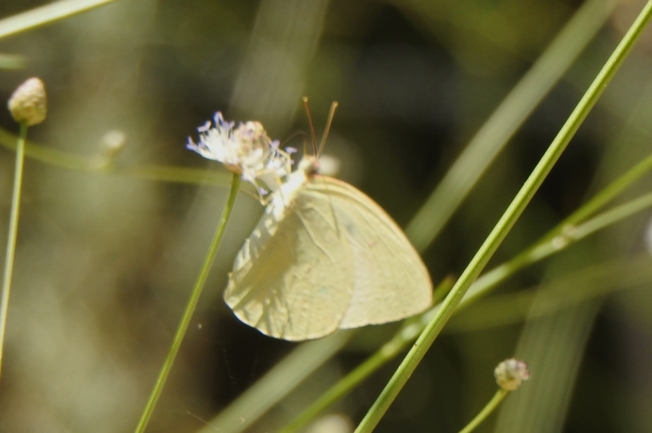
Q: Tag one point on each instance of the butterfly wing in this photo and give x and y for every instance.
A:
(390, 280)
(327, 258)
(293, 276)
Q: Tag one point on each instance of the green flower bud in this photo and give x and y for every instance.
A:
(29, 102)
(511, 373)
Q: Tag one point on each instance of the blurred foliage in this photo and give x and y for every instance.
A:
(106, 259)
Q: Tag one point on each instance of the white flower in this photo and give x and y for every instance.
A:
(246, 150)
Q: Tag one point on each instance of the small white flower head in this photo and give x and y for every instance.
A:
(245, 150)
(511, 373)
(29, 102)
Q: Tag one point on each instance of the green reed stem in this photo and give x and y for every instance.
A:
(13, 233)
(604, 196)
(46, 14)
(486, 411)
(190, 307)
(595, 281)
(70, 161)
(556, 240)
(504, 225)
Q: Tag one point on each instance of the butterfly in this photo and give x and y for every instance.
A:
(324, 256)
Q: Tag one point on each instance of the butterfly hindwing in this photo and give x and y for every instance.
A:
(390, 280)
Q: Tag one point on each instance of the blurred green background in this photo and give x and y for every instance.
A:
(106, 261)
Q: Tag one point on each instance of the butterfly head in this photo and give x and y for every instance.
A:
(309, 165)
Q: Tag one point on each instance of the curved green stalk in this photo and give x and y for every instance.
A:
(498, 397)
(13, 233)
(98, 165)
(604, 196)
(584, 285)
(46, 14)
(504, 225)
(486, 411)
(190, 307)
(556, 240)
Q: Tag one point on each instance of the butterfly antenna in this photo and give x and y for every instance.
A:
(301, 134)
(331, 114)
(312, 126)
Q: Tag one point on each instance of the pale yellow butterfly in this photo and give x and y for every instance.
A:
(323, 257)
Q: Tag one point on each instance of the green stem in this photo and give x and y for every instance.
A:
(603, 197)
(578, 287)
(190, 308)
(556, 240)
(70, 161)
(504, 225)
(484, 413)
(46, 14)
(13, 233)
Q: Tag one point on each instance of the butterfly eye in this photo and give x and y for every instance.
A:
(314, 167)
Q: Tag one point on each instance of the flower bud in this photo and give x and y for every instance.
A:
(29, 102)
(511, 373)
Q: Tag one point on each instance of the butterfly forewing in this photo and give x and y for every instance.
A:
(293, 277)
(390, 280)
